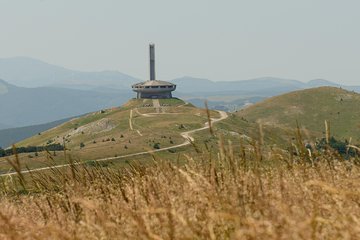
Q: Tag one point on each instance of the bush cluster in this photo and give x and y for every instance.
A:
(31, 149)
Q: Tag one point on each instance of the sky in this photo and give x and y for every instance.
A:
(215, 39)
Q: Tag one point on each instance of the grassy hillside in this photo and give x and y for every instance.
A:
(225, 190)
(137, 126)
(310, 108)
(253, 195)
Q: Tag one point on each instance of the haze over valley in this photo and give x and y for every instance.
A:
(34, 92)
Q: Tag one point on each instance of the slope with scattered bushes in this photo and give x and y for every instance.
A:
(310, 108)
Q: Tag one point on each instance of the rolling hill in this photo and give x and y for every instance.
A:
(310, 107)
(138, 126)
(146, 125)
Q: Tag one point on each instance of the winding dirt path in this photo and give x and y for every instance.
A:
(130, 120)
(186, 135)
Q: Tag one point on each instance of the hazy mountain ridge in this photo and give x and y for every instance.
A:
(21, 106)
(12, 135)
(4, 126)
(29, 72)
(232, 95)
(72, 92)
(256, 85)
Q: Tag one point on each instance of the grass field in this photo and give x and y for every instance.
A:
(238, 181)
(253, 193)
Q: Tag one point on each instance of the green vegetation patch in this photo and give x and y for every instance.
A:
(310, 109)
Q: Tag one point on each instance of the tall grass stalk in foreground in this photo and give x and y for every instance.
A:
(232, 193)
(209, 118)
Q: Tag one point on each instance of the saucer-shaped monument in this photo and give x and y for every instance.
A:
(154, 89)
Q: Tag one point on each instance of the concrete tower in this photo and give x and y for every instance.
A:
(153, 88)
(152, 61)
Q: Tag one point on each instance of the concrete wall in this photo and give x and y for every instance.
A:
(161, 95)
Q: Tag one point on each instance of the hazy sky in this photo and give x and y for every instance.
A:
(215, 39)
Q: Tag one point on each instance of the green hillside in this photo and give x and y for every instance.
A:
(12, 135)
(138, 126)
(143, 125)
(310, 107)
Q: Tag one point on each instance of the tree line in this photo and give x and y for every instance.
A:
(31, 149)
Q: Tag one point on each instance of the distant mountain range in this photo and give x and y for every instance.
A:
(13, 135)
(3, 126)
(35, 92)
(233, 95)
(28, 72)
(21, 106)
(267, 86)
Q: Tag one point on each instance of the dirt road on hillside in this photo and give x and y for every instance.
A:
(186, 135)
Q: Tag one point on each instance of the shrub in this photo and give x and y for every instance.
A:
(340, 146)
(2, 152)
(156, 146)
(32, 149)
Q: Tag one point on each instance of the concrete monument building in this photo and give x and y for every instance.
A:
(153, 88)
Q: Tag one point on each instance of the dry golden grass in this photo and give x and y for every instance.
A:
(255, 193)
